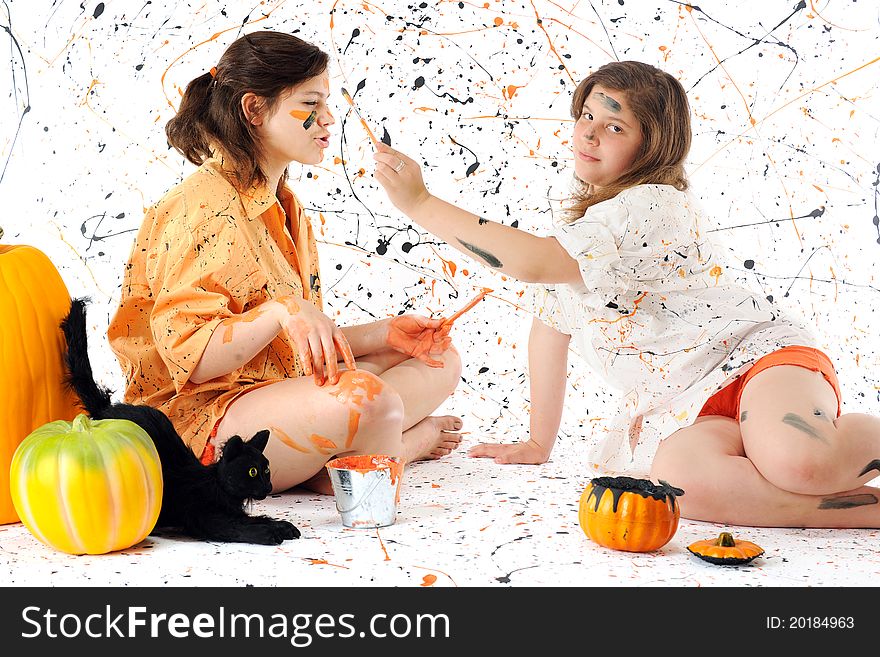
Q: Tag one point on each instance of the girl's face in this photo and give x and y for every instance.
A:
(282, 134)
(607, 137)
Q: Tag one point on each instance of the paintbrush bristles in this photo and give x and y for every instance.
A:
(360, 118)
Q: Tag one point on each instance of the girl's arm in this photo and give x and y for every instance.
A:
(367, 338)
(512, 251)
(414, 335)
(548, 361)
(237, 339)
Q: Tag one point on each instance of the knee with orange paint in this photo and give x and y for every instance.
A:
(370, 401)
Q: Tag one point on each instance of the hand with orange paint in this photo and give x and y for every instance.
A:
(318, 340)
(419, 337)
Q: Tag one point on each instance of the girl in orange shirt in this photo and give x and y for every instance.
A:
(222, 296)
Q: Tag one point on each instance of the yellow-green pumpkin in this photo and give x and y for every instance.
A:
(623, 513)
(33, 301)
(87, 487)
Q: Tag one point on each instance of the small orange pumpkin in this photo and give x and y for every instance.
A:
(725, 551)
(635, 515)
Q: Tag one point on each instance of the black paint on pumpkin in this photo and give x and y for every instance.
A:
(644, 487)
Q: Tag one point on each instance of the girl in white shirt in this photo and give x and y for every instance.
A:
(729, 396)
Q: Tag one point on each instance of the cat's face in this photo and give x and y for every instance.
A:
(242, 468)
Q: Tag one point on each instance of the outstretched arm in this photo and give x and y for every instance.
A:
(512, 251)
(548, 361)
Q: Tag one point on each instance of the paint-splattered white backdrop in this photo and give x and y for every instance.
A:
(785, 157)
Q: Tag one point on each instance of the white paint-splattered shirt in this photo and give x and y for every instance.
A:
(657, 317)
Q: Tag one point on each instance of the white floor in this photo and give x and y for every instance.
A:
(461, 522)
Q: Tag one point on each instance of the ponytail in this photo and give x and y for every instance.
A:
(190, 131)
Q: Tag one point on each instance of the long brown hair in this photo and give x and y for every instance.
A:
(265, 63)
(660, 104)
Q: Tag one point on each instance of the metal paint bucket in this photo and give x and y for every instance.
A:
(367, 489)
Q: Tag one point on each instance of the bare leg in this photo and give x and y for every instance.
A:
(788, 463)
(310, 424)
(422, 389)
(792, 434)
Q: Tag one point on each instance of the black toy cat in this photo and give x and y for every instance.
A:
(207, 502)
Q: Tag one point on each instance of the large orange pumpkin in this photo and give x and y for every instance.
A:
(87, 487)
(629, 514)
(33, 301)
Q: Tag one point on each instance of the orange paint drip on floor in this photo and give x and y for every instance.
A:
(428, 580)
(387, 558)
(324, 562)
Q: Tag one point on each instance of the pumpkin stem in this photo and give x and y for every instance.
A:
(725, 539)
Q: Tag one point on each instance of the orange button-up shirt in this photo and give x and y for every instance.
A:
(204, 253)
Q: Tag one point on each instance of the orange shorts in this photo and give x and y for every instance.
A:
(726, 401)
(210, 451)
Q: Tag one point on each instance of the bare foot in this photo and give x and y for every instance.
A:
(432, 438)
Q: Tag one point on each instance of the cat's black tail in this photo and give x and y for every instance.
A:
(95, 399)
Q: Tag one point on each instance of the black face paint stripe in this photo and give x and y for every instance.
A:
(743, 416)
(487, 257)
(796, 421)
(873, 465)
(848, 501)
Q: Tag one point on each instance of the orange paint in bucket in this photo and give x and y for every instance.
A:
(367, 489)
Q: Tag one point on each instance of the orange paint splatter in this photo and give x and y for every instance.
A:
(498, 21)
(428, 580)
(715, 273)
(287, 440)
(291, 304)
(354, 419)
(323, 562)
(229, 323)
(321, 442)
(354, 385)
(387, 558)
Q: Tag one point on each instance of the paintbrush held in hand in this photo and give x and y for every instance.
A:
(473, 302)
(363, 123)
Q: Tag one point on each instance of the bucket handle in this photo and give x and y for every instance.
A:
(375, 483)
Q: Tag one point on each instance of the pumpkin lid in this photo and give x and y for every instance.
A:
(725, 550)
